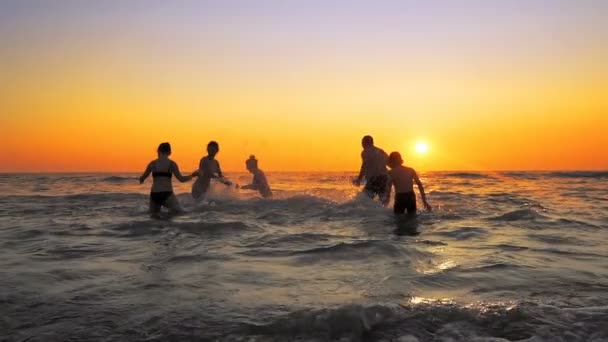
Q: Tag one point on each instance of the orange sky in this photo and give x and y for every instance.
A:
(100, 91)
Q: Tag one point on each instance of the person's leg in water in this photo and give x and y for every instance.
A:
(406, 224)
(172, 203)
(381, 186)
(405, 201)
(154, 208)
(196, 190)
(400, 203)
(372, 187)
(158, 200)
(200, 189)
(376, 186)
(411, 203)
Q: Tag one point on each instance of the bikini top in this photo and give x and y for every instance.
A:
(168, 174)
(162, 174)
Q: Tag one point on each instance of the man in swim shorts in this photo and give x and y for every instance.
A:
(373, 168)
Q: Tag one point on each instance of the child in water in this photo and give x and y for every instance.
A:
(163, 169)
(403, 178)
(259, 181)
(208, 168)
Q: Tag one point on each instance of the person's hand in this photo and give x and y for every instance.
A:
(194, 173)
(427, 206)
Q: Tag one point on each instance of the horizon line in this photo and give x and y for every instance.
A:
(313, 171)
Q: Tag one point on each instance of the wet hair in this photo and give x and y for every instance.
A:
(251, 162)
(213, 143)
(395, 158)
(367, 140)
(164, 148)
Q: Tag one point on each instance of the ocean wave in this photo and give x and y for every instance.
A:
(272, 240)
(134, 229)
(533, 175)
(341, 251)
(571, 252)
(579, 174)
(28, 233)
(350, 322)
(300, 209)
(437, 320)
(375, 247)
(205, 228)
(92, 197)
(302, 202)
(66, 252)
(464, 233)
(119, 179)
(452, 194)
(561, 240)
(268, 208)
(499, 266)
(565, 222)
(195, 258)
(154, 227)
(521, 174)
(510, 198)
(509, 247)
(467, 175)
(519, 215)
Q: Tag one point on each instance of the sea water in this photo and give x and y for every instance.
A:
(503, 256)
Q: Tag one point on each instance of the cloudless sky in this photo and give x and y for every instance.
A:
(488, 85)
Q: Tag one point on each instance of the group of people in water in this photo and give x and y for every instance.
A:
(163, 169)
(378, 180)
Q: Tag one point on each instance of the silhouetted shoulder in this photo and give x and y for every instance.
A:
(410, 171)
(204, 163)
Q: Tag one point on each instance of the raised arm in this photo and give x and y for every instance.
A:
(178, 174)
(146, 173)
(421, 190)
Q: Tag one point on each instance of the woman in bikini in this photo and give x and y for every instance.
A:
(162, 170)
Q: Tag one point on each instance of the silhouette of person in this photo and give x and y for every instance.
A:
(373, 168)
(259, 181)
(208, 168)
(162, 170)
(403, 178)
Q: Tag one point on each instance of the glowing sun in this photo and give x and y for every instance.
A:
(422, 148)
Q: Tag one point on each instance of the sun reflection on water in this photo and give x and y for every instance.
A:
(446, 265)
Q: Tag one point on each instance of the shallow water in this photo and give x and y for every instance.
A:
(512, 256)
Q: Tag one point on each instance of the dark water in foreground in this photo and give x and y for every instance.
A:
(503, 257)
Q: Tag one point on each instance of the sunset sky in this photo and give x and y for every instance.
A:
(487, 85)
